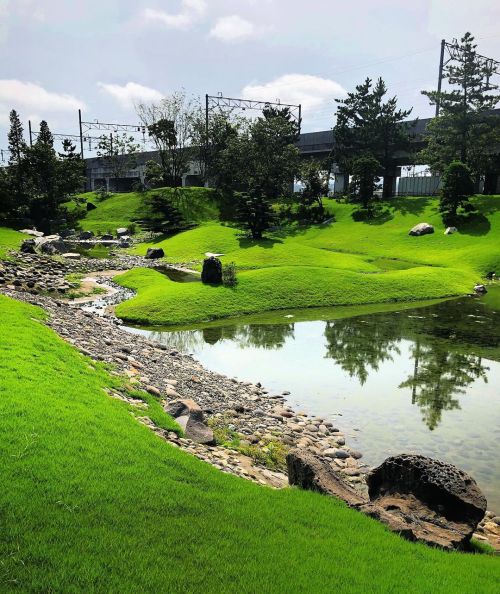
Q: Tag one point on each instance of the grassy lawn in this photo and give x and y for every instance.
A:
(92, 501)
(345, 262)
(120, 210)
(10, 240)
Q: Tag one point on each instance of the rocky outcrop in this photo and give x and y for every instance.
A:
(211, 273)
(421, 229)
(417, 497)
(307, 471)
(154, 253)
(425, 499)
(189, 417)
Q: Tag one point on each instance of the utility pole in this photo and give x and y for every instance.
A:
(81, 133)
(440, 79)
(31, 136)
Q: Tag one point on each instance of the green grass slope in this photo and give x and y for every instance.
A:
(344, 262)
(9, 240)
(92, 501)
(120, 210)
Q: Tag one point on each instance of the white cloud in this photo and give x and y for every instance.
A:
(232, 28)
(312, 92)
(23, 96)
(130, 94)
(191, 11)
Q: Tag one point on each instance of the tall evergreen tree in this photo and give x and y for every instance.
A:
(464, 130)
(43, 173)
(370, 126)
(17, 182)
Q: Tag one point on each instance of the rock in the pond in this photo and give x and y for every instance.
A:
(190, 418)
(307, 471)
(450, 230)
(425, 499)
(480, 289)
(422, 229)
(154, 253)
(212, 271)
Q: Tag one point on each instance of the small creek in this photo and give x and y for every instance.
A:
(423, 380)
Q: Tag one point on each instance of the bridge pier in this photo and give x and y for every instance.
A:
(341, 183)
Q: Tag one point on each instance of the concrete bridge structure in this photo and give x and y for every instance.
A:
(318, 145)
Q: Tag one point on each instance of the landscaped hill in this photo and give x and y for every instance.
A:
(343, 262)
(9, 240)
(93, 501)
(121, 210)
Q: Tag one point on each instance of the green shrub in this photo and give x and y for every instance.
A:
(229, 278)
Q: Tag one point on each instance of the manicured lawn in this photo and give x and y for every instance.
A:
(92, 501)
(120, 210)
(9, 240)
(345, 262)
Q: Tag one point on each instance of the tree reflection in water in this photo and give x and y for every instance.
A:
(438, 377)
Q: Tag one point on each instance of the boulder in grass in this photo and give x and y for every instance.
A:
(121, 231)
(421, 229)
(450, 230)
(189, 417)
(480, 290)
(426, 500)
(211, 273)
(90, 206)
(154, 253)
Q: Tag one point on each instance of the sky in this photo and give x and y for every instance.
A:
(104, 56)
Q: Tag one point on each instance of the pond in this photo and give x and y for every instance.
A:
(423, 380)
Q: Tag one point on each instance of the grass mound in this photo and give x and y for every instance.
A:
(345, 262)
(92, 501)
(10, 240)
(120, 210)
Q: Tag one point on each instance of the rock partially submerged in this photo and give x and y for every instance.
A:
(417, 497)
(190, 418)
(422, 229)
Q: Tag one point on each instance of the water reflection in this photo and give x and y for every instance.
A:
(423, 380)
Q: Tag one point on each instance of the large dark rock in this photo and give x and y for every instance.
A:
(86, 235)
(154, 253)
(190, 418)
(422, 229)
(425, 499)
(28, 246)
(90, 206)
(67, 233)
(307, 471)
(211, 273)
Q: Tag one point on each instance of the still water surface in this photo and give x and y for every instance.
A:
(424, 380)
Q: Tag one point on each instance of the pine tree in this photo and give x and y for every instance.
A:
(369, 126)
(464, 129)
(17, 183)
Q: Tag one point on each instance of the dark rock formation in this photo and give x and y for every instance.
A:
(107, 236)
(28, 246)
(190, 418)
(307, 471)
(421, 229)
(86, 235)
(417, 497)
(425, 499)
(212, 271)
(154, 253)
